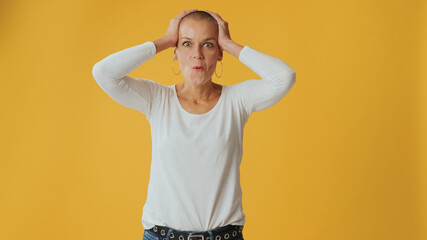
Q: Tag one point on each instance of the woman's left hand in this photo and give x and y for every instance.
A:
(224, 32)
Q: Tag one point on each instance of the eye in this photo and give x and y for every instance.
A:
(207, 44)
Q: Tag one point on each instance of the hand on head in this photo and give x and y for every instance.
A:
(224, 32)
(172, 32)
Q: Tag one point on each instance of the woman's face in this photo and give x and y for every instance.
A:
(198, 50)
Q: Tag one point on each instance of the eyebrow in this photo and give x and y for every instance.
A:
(210, 38)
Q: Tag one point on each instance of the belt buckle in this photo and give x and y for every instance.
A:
(194, 236)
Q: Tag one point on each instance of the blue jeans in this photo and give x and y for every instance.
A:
(149, 235)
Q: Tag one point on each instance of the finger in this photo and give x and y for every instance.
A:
(219, 20)
(212, 14)
(216, 16)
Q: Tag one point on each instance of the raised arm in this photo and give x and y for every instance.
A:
(277, 77)
(111, 75)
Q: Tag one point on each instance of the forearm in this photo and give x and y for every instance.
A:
(277, 78)
(233, 48)
(120, 64)
(162, 44)
(111, 75)
(271, 69)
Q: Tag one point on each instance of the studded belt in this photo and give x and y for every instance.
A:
(228, 232)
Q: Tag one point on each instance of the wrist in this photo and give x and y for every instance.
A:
(232, 47)
(163, 43)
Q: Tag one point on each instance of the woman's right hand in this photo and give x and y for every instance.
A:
(171, 37)
(172, 32)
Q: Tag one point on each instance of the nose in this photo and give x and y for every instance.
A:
(198, 53)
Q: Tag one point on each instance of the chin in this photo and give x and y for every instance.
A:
(198, 80)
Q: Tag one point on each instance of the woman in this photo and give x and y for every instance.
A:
(196, 126)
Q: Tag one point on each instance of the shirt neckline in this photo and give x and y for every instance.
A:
(202, 114)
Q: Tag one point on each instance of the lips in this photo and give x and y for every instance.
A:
(198, 68)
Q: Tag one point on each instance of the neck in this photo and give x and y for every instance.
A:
(198, 93)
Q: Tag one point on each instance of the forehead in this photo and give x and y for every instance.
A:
(192, 28)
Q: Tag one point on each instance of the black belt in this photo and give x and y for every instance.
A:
(228, 232)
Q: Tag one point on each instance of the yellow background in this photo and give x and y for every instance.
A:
(341, 157)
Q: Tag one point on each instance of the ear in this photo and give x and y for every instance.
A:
(174, 53)
(221, 54)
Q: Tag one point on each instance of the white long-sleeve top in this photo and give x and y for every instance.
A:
(194, 181)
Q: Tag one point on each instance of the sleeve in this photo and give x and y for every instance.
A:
(277, 78)
(111, 75)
